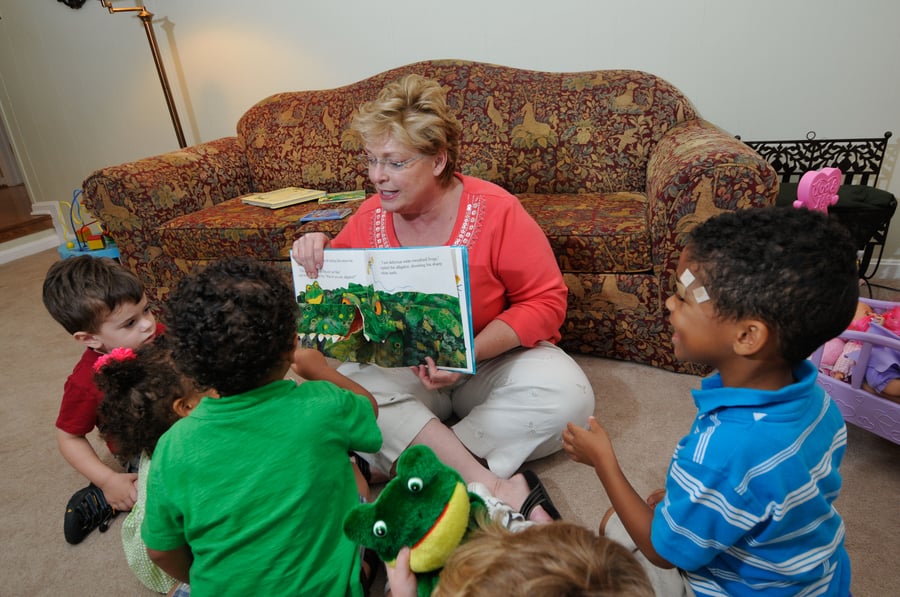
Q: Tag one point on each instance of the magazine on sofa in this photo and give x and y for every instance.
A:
(392, 307)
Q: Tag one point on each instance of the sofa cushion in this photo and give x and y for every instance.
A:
(595, 232)
(589, 232)
(235, 228)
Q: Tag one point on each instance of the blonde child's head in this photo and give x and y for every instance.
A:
(545, 560)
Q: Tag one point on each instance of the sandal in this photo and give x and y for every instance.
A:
(538, 496)
(602, 530)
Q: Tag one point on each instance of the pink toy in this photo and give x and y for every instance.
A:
(817, 189)
(831, 352)
(835, 352)
(879, 414)
(843, 366)
(892, 320)
(862, 322)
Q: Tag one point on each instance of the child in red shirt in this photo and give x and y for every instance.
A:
(103, 306)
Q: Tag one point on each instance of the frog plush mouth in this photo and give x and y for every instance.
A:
(432, 550)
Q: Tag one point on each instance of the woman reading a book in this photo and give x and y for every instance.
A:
(525, 388)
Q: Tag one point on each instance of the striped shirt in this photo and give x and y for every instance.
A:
(750, 492)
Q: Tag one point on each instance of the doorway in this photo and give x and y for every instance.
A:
(16, 220)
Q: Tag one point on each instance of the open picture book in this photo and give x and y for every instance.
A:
(391, 307)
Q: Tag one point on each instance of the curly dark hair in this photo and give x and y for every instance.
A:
(137, 400)
(793, 269)
(233, 324)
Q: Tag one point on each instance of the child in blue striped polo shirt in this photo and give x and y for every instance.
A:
(748, 502)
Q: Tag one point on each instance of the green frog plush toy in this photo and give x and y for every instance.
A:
(425, 507)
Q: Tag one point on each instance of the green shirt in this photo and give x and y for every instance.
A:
(257, 485)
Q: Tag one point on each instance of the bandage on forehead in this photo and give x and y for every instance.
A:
(684, 282)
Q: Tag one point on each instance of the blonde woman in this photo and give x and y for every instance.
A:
(526, 388)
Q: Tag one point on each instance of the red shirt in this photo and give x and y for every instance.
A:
(513, 273)
(81, 397)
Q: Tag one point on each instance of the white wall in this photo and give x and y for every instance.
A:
(78, 88)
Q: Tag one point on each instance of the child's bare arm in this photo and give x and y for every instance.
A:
(592, 446)
(176, 562)
(310, 364)
(118, 488)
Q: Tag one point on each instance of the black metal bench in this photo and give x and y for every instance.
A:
(865, 210)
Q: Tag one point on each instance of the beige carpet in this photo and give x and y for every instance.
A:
(646, 410)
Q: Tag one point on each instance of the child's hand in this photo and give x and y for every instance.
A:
(656, 497)
(308, 363)
(401, 578)
(311, 365)
(120, 491)
(587, 446)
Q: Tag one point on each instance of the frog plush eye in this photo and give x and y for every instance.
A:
(415, 484)
(379, 529)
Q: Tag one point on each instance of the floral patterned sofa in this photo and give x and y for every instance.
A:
(615, 165)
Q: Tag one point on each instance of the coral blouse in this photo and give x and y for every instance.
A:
(513, 273)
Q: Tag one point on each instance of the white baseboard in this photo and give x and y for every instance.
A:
(889, 269)
(28, 245)
(54, 210)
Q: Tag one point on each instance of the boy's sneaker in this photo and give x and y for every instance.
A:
(86, 511)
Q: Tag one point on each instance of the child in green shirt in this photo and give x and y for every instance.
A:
(247, 494)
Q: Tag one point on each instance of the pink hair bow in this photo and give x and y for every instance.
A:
(116, 354)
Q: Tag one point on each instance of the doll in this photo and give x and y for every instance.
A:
(882, 376)
(836, 355)
(883, 370)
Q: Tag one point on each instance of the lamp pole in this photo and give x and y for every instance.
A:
(146, 18)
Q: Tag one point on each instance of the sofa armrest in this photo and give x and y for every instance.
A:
(696, 171)
(133, 199)
(151, 191)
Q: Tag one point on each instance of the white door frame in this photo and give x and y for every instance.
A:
(9, 169)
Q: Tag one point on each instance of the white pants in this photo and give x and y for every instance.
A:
(512, 410)
(667, 582)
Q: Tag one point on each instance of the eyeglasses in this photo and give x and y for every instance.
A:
(389, 164)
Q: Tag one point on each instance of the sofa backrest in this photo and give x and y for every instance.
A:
(529, 131)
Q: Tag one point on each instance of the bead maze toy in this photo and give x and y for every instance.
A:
(84, 238)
